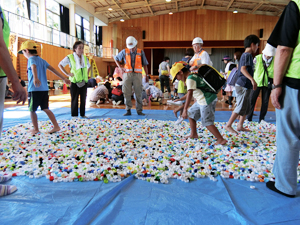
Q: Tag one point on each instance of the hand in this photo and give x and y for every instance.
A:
(275, 94)
(20, 94)
(184, 114)
(36, 82)
(123, 70)
(70, 74)
(176, 100)
(67, 81)
(193, 68)
(254, 84)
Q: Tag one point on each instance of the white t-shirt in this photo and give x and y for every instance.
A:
(227, 67)
(197, 93)
(176, 84)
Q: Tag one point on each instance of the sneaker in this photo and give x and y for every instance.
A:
(119, 102)
(180, 119)
(141, 114)
(230, 106)
(114, 102)
(84, 117)
(98, 102)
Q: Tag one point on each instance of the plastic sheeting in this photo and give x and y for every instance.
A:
(132, 201)
(135, 201)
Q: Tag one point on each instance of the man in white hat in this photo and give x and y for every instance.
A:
(200, 57)
(263, 76)
(135, 60)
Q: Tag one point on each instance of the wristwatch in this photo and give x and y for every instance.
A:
(276, 86)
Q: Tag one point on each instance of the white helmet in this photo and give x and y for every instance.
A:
(197, 40)
(131, 42)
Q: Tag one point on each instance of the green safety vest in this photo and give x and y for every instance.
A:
(80, 74)
(260, 76)
(6, 32)
(294, 67)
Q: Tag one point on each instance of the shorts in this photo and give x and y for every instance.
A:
(205, 112)
(175, 90)
(243, 101)
(180, 95)
(36, 99)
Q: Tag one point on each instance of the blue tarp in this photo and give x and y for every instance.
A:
(132, 201)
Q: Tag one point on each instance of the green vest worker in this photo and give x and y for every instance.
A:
(80, 68)
(263, 76)
(285, 97)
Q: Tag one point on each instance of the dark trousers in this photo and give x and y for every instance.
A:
(75, 93)
(264, 102)
(164, 81)
(117, 98)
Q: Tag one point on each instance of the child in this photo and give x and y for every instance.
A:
(37, 85)
(244, 84)
(203, 108)
(229, 88)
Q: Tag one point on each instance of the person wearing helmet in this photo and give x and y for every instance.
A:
(200, 57)
(135, 60)
(263, 75)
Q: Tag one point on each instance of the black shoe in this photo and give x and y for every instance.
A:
(271, 185)
(128, 113)
(141, 114)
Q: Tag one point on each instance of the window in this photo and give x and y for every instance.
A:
(78, 22)
(52, 14)
(34, 10)
(86, 30)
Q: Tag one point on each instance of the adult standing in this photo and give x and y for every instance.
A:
(263, 76)
(200, 57)
(134, 59)
(20, 95)
(285, 97)
(164, 73)
(80, 68)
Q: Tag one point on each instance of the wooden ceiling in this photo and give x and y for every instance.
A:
(132, 9)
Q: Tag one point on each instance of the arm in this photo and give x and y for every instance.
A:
(282, 59)
(67, 81)
(168, 68)
(146, 71)
(20, 94)
(246, 74)
(189, 97)
(36, 80)
(64, 71)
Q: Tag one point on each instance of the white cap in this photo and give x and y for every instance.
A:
(269, 50)
(197, 40)
(131, 42)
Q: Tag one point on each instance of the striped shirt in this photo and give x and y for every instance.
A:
(99, 92)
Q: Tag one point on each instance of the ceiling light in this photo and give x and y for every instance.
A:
(170, 13)
(235, 11)
(168, 0)
(110, 9)
(122, 20)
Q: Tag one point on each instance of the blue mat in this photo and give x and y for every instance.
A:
(132, 201)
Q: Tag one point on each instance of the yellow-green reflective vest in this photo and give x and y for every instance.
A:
(260, 76)
(294, 67)
(6, 32)
(80, 74)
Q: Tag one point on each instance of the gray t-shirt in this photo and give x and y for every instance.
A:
(163, 66)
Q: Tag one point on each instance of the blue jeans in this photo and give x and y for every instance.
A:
(288, 141)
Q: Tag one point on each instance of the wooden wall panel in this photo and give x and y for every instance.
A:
(184, 26)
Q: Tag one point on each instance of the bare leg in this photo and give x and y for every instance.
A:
(230, 122)
(216, 133)
(53, 120)
(180, 108)
(193, 125)
(34, 120)
(240, 125)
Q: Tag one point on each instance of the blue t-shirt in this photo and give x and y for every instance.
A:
(41, 67)
(246, 60)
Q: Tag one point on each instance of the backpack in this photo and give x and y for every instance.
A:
(117, 91)
(233, 77)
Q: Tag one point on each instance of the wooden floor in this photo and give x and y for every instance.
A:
(60, 99)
